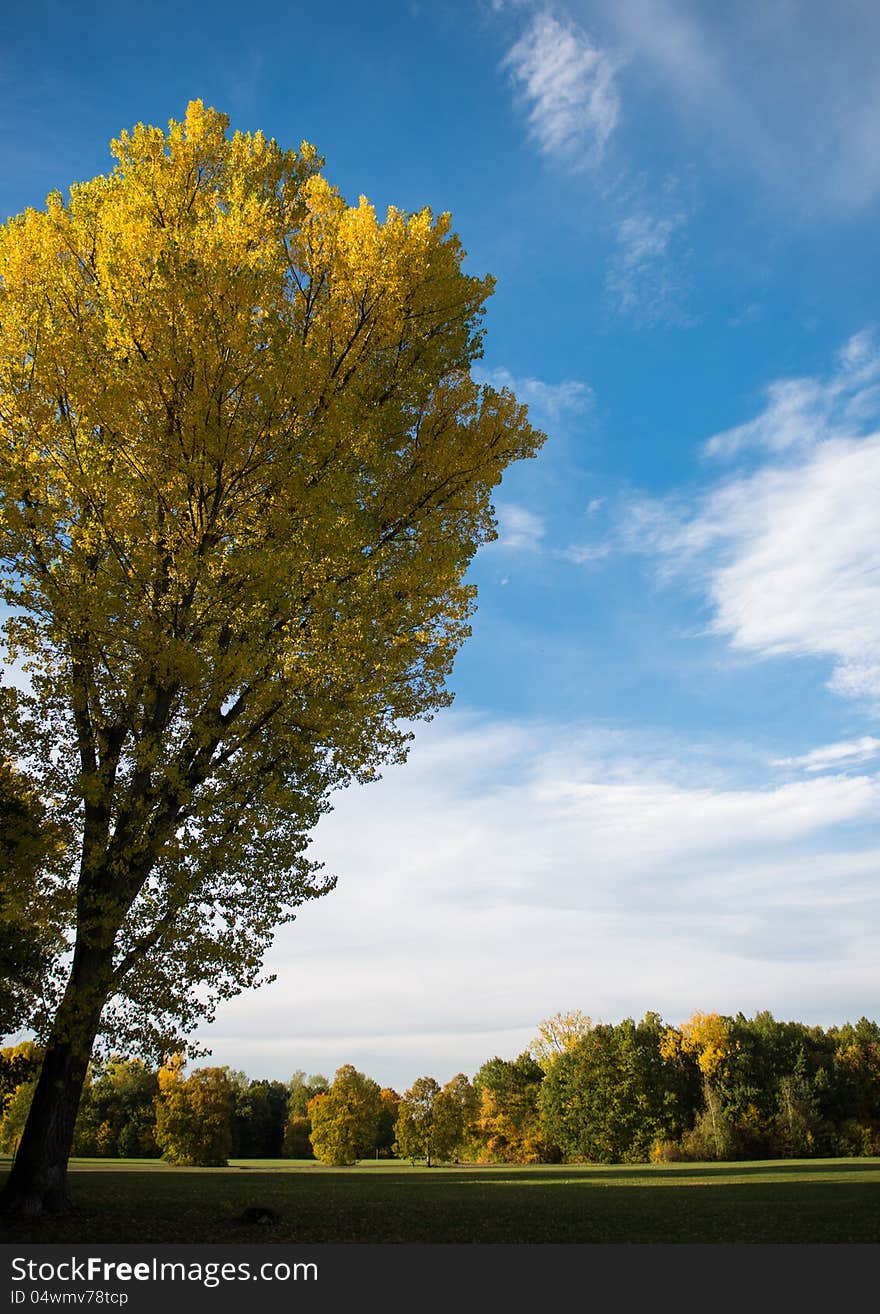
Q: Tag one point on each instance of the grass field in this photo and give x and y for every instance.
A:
(826, 1201)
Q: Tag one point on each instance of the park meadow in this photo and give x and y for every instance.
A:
(389, 1202)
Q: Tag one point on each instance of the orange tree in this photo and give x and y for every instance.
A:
(243, 470)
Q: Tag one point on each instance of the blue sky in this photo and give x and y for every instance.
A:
(658, 785)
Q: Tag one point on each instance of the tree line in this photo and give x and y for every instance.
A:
(716, 1087)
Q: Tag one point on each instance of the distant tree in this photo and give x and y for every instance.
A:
(708, 1037)
(385, 1131)
(117, 1115)
(768, 1087)
(345, 1120)
(19, 1065)
(797, 1124)
(557, 1034)
(854, 1086)
(615, 1094)
(775, 1086)
(508, 1124)
(301, 1089)
(764, 1086)
(259, 1117)
(415, 1121)
(194, 1115)
(298, 1138)
(455, 1112)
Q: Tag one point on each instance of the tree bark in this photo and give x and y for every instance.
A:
(37, 1183)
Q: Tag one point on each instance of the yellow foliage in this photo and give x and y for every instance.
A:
(345, 1119)
(670, 1044)
(243, 473)
(502, 1136)
(559, 1033)
(193, 1115)
(170, 1074)
(707, 1035)
(106, 1140)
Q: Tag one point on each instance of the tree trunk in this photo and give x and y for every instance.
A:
(37, 1182)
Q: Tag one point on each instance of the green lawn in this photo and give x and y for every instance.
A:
(833, 1200)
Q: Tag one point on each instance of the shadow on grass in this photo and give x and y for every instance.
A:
(829, 1201)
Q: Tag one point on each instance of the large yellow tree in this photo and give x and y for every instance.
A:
(243, 469)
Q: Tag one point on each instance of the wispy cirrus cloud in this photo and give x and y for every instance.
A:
(568, 85)
(833, 756)
(786, 92)
(584, 554)
(523, 530)
(644, 277)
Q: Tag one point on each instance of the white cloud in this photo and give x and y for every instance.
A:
(582, 554)
(840, 754)
(791, 560)
(519, 528)
(802, 574)
(511, 870)
(801, 412)
(789, 555)
(548, 403)
(569, 85)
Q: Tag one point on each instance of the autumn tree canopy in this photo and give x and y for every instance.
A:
(194, 1115)
(243, 470)
(415, 1120)
(433, 1122)
(345, 1120)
